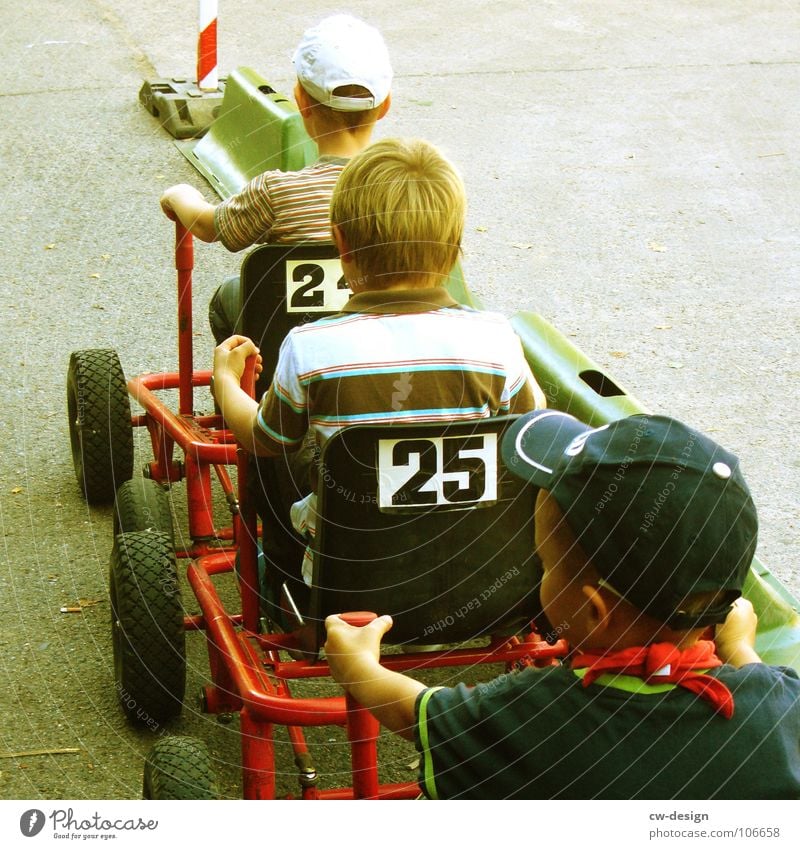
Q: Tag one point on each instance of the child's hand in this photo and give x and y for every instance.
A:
(735, 638)
(186, 204)
(231, 355)
(167, 199)
(167, 209)
(351, 651)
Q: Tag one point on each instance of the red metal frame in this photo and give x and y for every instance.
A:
(247, 671)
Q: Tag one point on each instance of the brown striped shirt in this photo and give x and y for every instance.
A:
(282, 207)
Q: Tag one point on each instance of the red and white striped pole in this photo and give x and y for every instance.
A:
(207, 72)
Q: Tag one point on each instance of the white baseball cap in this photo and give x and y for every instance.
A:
(342, 50)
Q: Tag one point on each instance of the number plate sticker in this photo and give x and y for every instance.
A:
(315, 286)
(456, 471)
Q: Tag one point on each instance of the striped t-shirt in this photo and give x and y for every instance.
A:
(400, 356)
(283, 207)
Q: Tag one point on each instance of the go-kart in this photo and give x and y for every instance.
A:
(419, 521)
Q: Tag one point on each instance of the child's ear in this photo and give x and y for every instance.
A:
(341, 244)
(597, 609)
(301, 99)
(384, 107)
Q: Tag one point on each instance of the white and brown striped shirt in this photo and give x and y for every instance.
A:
(283, 207)
(412, 355)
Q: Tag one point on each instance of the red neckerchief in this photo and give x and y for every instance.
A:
(663, 663)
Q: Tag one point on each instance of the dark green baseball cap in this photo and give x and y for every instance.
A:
(661, 510)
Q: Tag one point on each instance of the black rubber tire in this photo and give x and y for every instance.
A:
(179, 768)
(142, 504)
(100, 430)
(147, 628)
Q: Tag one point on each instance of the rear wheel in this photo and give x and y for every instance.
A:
(100, 428)
(147, 627)
(179, 768)
(142, 504)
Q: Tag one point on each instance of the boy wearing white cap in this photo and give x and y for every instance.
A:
(344, 78)
(646, 531)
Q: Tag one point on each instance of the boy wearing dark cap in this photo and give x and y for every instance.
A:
(646, 531)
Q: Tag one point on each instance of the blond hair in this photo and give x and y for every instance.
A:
(400, 205)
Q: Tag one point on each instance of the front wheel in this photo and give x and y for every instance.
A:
(100, 431)
(179, 768)
(149, 640)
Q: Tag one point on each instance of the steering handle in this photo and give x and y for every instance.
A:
(358, 618)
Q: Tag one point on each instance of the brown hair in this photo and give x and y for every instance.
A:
(336, 120)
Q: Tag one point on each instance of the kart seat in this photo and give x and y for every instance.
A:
(423, 522)
(283, 286)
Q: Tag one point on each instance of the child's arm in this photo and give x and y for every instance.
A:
(353, 656)
(238, 409)
(736, 637)
(184, 203)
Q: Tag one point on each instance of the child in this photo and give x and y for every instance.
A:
(402, 350)
(646, 531)
(343, 82)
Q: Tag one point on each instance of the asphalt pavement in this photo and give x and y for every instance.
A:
(632, 175)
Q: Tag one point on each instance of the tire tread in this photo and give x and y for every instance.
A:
(147, 619)
(179, 768)
(99, 423)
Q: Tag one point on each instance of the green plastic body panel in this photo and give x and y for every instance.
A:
(575, 384)
(257, 130)
(778, 611)
(572, 382)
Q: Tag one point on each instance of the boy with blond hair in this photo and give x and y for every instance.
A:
(646, 531)
(402, 350)
(343, 87)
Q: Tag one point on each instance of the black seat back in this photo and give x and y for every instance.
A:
(424, 523)
(283, 286)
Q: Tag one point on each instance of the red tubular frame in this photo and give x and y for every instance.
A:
(184, 263)
(247, 672)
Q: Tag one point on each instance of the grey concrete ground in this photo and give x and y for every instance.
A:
(632, 172)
